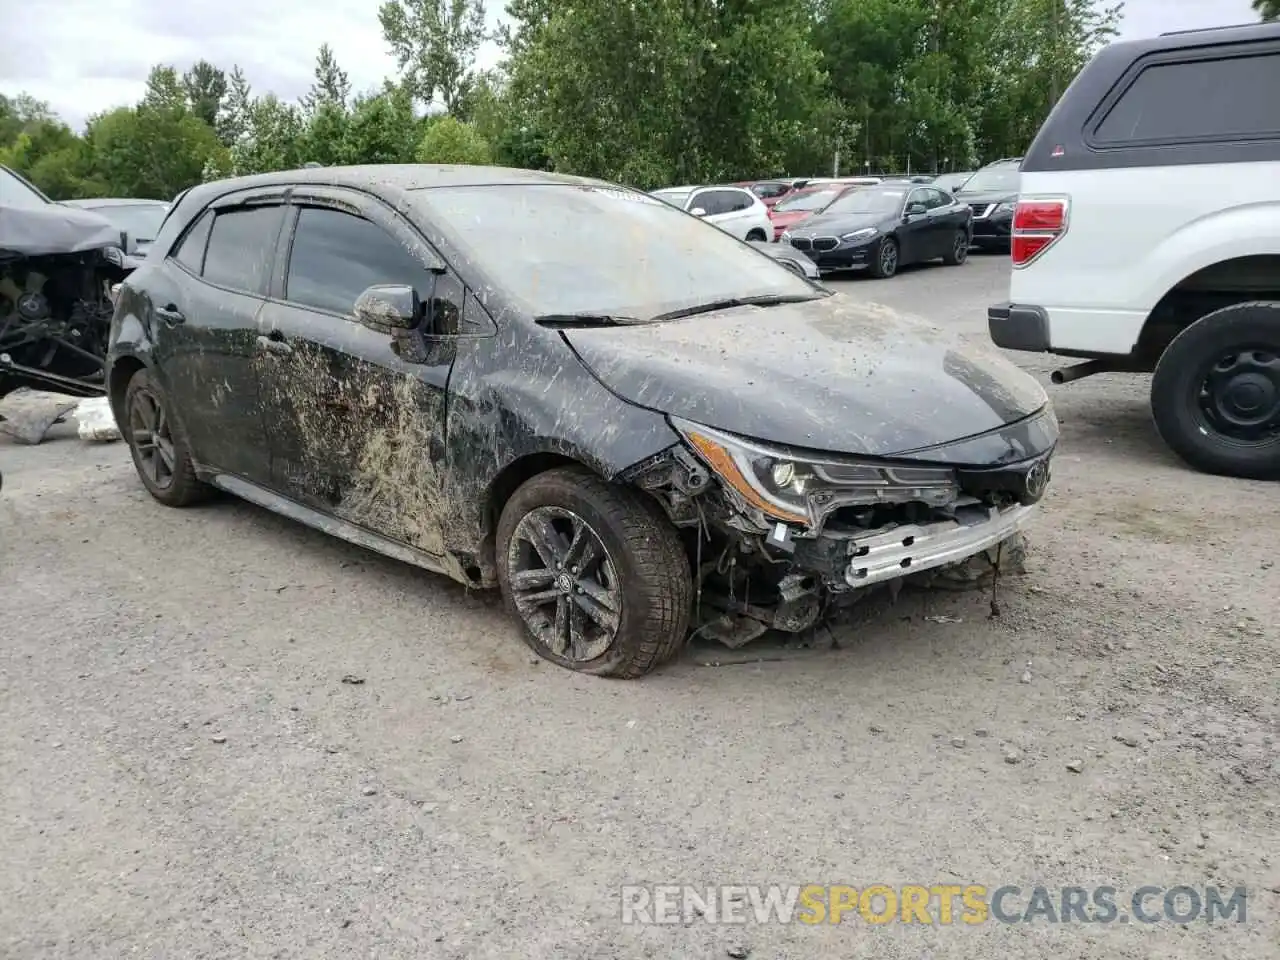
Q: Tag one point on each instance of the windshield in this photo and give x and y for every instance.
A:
(884, 200)
(993, 181)
(809, 201)
(140, 220)
(565, 249)
(15, 193)
(677, 198)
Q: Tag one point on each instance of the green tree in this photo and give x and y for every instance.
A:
(331, 85)
(164, 90)
(271, 137)
(449, 140)
(435, 44)
(233, 119)
(1267, 9)
(667, 90)
(149, 151)
(383, 128)
(205, 86)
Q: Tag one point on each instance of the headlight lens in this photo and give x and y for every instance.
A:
(785, 487)
(859, 234)
(1004, 208)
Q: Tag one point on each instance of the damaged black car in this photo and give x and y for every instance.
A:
(632, 423)
(57, 268)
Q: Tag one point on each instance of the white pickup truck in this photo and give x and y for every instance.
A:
(1146, 238)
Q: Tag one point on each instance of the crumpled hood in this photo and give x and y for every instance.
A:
(836, 374)
(38, 231)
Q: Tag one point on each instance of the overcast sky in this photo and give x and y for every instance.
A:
(83, 56)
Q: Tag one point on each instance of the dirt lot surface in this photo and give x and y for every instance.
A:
(185, 773)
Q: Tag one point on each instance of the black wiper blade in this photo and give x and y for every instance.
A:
(769, 300)
(561, 321)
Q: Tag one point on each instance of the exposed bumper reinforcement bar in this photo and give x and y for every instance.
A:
(912, 548)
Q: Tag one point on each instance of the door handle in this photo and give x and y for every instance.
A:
(170, 314)
(274, 345)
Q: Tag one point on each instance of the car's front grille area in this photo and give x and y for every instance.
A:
(802, 243)
(980, 210)
(825, 243)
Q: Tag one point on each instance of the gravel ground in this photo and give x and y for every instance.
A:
(185, 772)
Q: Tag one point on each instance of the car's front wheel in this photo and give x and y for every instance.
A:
(1215, 395)
(160, 451)
(595, 572)
(885, 262)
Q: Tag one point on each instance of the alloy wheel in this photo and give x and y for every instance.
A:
(961, 252)
(888, 258)
(1239, 396)
(564, 584)
(152, 438)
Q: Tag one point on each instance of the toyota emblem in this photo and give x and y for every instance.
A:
(1036, 480)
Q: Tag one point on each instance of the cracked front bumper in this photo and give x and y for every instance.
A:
(912, 548)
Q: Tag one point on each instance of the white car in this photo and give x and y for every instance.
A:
(734, 210)
(1146, 238)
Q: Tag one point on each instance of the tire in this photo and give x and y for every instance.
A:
(643, 560)
(180, 488)
(756, 235)
(959, 252)
(1238, 349)
(885, 264)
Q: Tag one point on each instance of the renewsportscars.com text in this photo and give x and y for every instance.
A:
(935, 904)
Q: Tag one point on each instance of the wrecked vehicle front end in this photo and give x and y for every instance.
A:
(781, 538)
(57, 266)
(830, 448)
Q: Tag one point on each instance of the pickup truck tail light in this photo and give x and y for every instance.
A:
(1038, 223)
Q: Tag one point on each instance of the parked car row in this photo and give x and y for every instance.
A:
(872, 224)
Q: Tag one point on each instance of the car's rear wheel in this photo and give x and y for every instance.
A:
(885, 262)
(1215, 396)
(160, 451)
(959, 251)
(595, 572)
(756, 235)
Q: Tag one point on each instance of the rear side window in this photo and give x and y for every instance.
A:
(242, 246)
(1197, 101)
(336, 256)
(190, 252)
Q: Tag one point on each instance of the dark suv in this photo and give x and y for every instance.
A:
(624, 417)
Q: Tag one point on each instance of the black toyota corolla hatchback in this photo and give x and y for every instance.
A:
(631, 422)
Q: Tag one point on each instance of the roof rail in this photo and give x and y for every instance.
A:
(1225, 26)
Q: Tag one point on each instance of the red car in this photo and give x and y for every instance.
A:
(773, 190)
(799, 204)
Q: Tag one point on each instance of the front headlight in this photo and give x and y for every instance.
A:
(859, 234)
(797, 489)
(1003, 208)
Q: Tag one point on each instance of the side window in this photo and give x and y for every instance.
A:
(1196, 101)
(190, 252)
(736, 200)
(769, 189)
(933, 199)
(242, 246)
(917, 196)
(708, 201)
(336, 256)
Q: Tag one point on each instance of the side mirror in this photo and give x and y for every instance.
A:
(388, 307)
(698, 212)
(915, 209)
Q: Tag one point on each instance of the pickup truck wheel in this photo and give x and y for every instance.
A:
(959, 251)
(884, 263)
(595, 572)
(160, 451)
(1215, 396)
